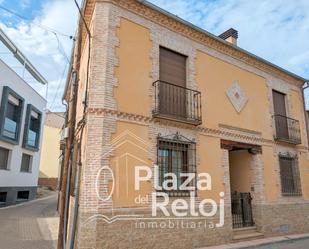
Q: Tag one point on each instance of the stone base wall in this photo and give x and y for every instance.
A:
(272, 220)
(11, 194)
(283, 219)
(48, 182)
(95, 232)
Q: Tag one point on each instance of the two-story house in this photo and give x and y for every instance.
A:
(49, 164)
(21, 117)
(154, 98)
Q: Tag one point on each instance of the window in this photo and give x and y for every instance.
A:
(26, 162)
(289, 173)
(3, 197)
(176, 156)
(32, 128)
(173, 100)
(10, 115)
(4, 158)
(22, 195)
(287, 129)
(281, 123)
(173, 73)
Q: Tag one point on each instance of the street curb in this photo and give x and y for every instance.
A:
(256, 244)
(285, 239)
(29, 202)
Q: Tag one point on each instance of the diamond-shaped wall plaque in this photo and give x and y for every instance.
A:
(237, 96)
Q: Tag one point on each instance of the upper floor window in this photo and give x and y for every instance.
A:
(10, 115)
(173, 99)
(289, 174)
(287, 129)
(173, 67)
(173, 73)
(4, 158)
(32, 128)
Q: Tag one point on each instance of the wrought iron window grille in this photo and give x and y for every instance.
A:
(289, 175)
(176, 154)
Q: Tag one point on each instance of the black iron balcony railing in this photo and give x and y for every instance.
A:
(287, 129)
(177, 103)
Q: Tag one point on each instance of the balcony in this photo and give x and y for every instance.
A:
(177, 103)
(287, 130)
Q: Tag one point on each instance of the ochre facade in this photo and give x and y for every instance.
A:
(122, 133)
(51, 154)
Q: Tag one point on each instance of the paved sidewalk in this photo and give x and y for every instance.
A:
(31, 225)
(299, 241)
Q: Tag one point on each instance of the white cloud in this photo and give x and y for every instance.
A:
(42, 48)
(24, 3)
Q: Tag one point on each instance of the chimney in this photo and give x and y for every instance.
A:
(230, 35)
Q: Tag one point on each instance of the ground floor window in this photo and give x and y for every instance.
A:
(4, 158)
(22, 195)
(289, 174)
(3, 197)
(26, 162)
(176, 155)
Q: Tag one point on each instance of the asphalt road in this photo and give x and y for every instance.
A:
(31, 225)
(298, 244)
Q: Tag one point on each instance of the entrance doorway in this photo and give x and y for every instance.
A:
(241, 156)
(240, 182)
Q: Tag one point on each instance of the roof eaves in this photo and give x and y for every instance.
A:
(21, 58)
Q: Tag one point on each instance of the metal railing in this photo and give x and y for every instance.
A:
(176, 102)
(287, 129)
(242, 210)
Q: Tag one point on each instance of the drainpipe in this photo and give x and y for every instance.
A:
(62, 154)
(66, 208)
(304, 87)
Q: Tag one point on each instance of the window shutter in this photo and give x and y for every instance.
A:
(279, 103)
(172, 67)
(281, 123)
(172, 92)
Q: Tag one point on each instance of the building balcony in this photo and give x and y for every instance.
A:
(287, 130)
(177, 103)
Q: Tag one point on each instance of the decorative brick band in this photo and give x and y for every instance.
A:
(205, 130)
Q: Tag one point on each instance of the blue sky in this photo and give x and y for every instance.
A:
(277, 30)
(47, 51)
(27, 8)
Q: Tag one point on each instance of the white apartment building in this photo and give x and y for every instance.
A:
(21, 118)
